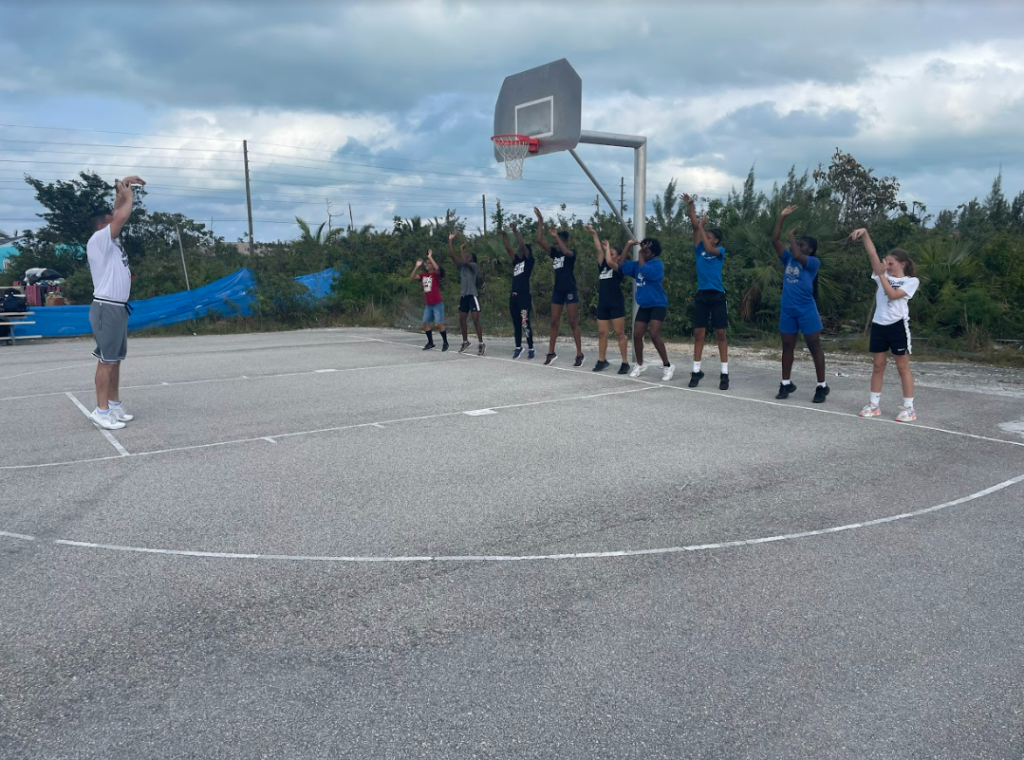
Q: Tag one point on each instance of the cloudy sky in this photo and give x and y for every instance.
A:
(389, 106)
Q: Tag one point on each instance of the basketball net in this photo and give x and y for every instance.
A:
(513, 150)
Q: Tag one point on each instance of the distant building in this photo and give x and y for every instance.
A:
(6, 251)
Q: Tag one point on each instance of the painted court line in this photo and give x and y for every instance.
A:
(378, 423)
(106, 433)
(19, 536)
(553, 557)
(233, 378)
(819, 410)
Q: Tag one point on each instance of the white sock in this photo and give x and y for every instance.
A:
(102, 411)
(822, 385)
(876, 398)
(725, 368)
(113, 403)
(908, 402)
(786, 382)
(696, 366)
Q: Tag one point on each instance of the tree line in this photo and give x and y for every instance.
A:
(970, 259)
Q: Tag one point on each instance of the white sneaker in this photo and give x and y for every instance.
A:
(106, 421)
(121, 414)
(638, 369)
(669, 371)
(871, 410)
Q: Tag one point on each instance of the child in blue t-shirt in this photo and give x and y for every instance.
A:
(651, 301)
(799, 313)
(710, 308)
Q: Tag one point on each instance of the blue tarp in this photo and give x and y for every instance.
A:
(228, 296)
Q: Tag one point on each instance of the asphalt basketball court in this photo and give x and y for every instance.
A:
(331, 543)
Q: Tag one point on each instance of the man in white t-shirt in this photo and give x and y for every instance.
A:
(108, 315)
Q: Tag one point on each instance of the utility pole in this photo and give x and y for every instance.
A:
(484, 200)
(597, 204)
(328, 215)
(182, 250)
(248, 195)
(622, 197)
(351, 222)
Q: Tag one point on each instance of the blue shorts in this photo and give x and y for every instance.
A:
(806, 321)
(434, 313)
(562, 297)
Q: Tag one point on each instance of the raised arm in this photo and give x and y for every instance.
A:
(508, 248)
(609, 255)
(520, 242)
(540, 231)
(876, 263)
(709, 247)
(416, 270)
(601, 257)
(794, 249)
(693, 216)
(777, 233)
(122, 205)
(451, 249)
(894, 294)
(560, 244)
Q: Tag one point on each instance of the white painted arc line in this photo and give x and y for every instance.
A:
(378, 423)
(229, 379)
(19, 536)
(817, 409)
(553, 557)
(105, 433)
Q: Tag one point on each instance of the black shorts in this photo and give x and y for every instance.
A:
(710, 310)
(562, 297)
(614, 310)
(894, 337)
(468, 304)
(650, 314)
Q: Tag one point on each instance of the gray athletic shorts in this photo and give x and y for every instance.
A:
(110, 328)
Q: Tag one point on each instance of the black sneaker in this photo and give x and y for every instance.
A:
(785, 390)
(482, 350)
(531, 354)
(624, 368)
(695, 378)
(444, 347)
(579, 361)
(465, 345)
(723, 382)
(600, 366)
(550, 359)
(428, 346)
(819, 394)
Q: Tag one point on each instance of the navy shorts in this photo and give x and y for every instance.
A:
(650, 314)
(614, 310)
(562, 297)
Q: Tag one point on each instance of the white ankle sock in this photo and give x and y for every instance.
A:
(908, 402)
(696, 366)
(786, 382)
(725, 368)
(876, 398)
(113, 403)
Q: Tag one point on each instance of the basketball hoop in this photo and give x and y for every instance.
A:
(513, 150)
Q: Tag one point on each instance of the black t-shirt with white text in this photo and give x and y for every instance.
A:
(565, 276)
(521, 271)
(609, 292)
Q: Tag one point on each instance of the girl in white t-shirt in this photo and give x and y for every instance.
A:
(890, 328)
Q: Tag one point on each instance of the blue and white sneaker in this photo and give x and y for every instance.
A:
(531, 354)
(518, 352)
